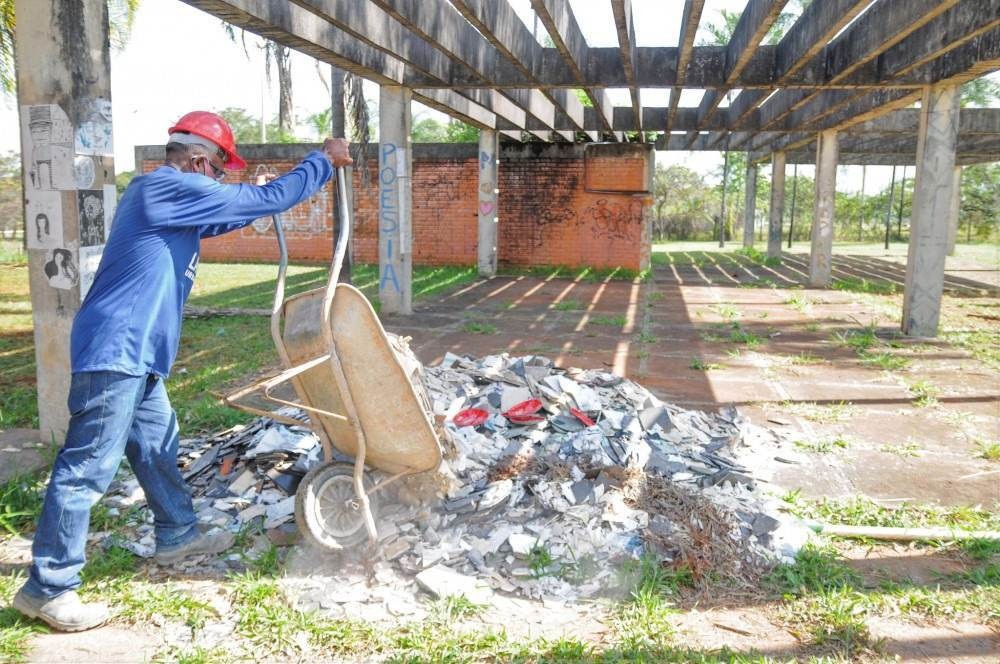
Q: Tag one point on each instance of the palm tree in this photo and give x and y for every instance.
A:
(121, 16)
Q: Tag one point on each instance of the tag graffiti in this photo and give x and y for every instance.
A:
(388, 197)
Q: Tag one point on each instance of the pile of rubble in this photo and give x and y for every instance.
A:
(553, 479)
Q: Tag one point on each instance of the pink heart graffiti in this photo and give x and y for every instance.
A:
(486, 207)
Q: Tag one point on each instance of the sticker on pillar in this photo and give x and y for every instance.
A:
(47, 137)
(94, 135)
(110, 193)
(83, 173)
(43, 216)
(91, 206)
(90, 260)
(60, 268)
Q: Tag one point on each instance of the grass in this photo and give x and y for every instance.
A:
(884, 360)
(823, 413)
(215, 354)
(924, 393)
(862, 285)
(799, 302)
(609, 321)
(569, 305)
(863, 511)
(805, 358)
(21, 502)
(823, 446)
(700, 365)
(909, 449)
(759, 257)
(584, 274)
(827, 604)
(15, 629)
(987, 449)
(479, 327)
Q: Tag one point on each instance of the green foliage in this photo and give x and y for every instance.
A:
(815, 568)
(21, 502)
(246, 127)
(430, 130)
(479, 327)
(11, 203)
(122, 181)
(863, 511)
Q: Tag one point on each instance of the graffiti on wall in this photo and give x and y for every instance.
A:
(614, 220)
(388, 215)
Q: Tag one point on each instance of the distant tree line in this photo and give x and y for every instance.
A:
(686, 208)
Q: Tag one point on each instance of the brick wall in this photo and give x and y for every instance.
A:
(558, 205)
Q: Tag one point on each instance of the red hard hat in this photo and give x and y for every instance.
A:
(214, 128)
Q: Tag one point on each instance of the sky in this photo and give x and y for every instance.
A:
(163, 73)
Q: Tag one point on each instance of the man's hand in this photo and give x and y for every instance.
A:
(335, 150)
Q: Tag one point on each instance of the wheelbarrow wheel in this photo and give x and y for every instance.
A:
(327, 509)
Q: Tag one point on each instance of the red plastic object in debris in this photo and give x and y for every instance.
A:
(582, 416)
(524, 412)
(470, 417)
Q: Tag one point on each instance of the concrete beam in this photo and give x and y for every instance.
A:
(437, 23)
(952, 29)
(560, 22)
(395, 197)
(821, 253)
(932, 200)
(622, 10)
(64, 95)
(690, 18)
(750, 205)
(489, 215)
(777, 211)
(499, 24)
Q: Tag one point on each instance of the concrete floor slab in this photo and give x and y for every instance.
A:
(652, 332)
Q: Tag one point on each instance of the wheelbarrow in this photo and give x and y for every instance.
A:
(360, 397)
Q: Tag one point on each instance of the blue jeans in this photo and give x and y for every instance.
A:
(110, 414)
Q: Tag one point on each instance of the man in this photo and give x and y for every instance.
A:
(123, 343)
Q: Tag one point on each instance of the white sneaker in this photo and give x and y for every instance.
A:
(65, 613)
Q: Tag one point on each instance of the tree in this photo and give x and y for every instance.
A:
(11, 212)
(121, 15)
(681, 204)
(981, 92)
(276, 56)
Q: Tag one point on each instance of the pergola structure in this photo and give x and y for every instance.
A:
(840, 86)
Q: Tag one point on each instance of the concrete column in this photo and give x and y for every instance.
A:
(64, 97)
(489, 162)
(750, 207)
(821, 253)
(395, 229)
(954, 210)
(932, 201)
(777, 205)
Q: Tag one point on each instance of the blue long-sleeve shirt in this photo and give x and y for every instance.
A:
(130, 320)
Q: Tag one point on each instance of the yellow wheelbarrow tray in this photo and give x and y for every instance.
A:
(356, 392)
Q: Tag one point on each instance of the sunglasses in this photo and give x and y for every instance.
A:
(218, 173)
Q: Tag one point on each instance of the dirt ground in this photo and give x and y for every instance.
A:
(761, 340)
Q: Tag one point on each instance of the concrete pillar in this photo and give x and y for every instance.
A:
(821, 253)
(777, 205)
(750, 207)
(954, 210)
(395, 229)
(64, 97)
(489, 162)
(932, 201)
